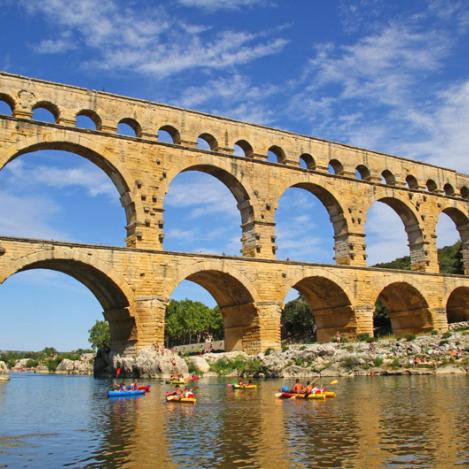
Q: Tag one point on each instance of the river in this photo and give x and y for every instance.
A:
(395, 422)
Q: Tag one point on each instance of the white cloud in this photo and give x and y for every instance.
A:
(215, 5)
(93, 180)
(148, 40)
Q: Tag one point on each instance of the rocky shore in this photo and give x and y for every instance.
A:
(446, 353)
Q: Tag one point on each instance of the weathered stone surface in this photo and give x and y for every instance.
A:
(136, 282)
(199, 363)
(4, 373)
(84, 366)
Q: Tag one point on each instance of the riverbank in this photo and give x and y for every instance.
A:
(446, 353)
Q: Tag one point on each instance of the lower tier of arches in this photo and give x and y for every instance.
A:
(134, 288)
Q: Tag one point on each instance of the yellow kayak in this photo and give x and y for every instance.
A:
(176, 382)
(329, 394)
(290, 395)
(244, 386)
(182, 400)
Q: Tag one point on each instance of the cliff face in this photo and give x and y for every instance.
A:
(4, 374)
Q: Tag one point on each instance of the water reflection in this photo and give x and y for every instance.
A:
(374, 422)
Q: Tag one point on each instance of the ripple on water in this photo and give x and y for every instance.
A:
(403, 422)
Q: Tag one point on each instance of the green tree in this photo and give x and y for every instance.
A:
(298, 321)
(381, 320)
(100, 334)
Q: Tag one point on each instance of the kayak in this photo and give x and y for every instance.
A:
(244, 386)
(182, 400)
(126, 393)
(329, 394)
(145, 387)
(176, 382)
(289, 395)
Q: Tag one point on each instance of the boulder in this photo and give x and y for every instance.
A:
(74, 367)
(4, 373)
(199, 363)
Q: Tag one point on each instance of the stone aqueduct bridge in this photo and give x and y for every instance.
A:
(134, 284)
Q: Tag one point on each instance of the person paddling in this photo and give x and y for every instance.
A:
(308, 389)
(297, 387)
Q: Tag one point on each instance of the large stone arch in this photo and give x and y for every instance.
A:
(111, 291)
(336, 215)
(330, 303)
(461, 221)
(241, 191)
(235, 297)
(415, 236)
(457, 305)
(83, 147)
(408, 309)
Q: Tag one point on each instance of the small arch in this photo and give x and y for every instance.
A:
(449, 189)
(276, 155)
(88, 119)
(7, 105)
(335, 167)
(411, 182)
(407, 308)
(330, 307)
(431, 186)
(388, 178)
(307, 162)
(45, 111)
(461, 222)
(243, 148)
(169, 134)
(129, 127)
(457, 306)
(362, 172)
(464, 192)
(207, 142)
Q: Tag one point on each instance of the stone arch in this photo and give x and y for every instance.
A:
(336, 216)
(112, 292)
(330, 305)
(335, 167)
(9, 101)
(464, 192)
(449, 189)
(173, 133)
(91, 115)
(235, 297)
(418, 258)
(307, 161)
(411, 182)
(210, 140)
(120, 178)
(278, 153)
(461, 221)
(133, 124)
(431, 186)
(362, 172)
(388, 178)
(242, 194)
(51, 107)
(457, 306)
(246, 147)
(407, 307)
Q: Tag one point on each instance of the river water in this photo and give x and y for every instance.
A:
(395, 422)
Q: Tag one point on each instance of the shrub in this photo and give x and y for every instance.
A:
(268, 351)
(434, 332)
(350, 363)
(285, 348)
(363, 337)
(446, 335)
(32, 363)
(443, 342)
(53, 363)
(378, 361)
(371, 340)
(396, 363)
(410, 337)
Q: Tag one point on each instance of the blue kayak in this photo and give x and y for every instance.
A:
(127, 393)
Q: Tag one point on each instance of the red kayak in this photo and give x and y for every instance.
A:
(145, 388)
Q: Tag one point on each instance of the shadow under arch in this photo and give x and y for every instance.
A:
(407, 308)
(236, 303)
(461, 222)
(336, 216)
(112, 295)
(418, 257)
(120, 180)
(242, 197)
(330, 306)
(457, 306)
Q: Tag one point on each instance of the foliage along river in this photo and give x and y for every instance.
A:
(61, 421)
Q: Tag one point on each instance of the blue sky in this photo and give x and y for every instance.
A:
(390, 76)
